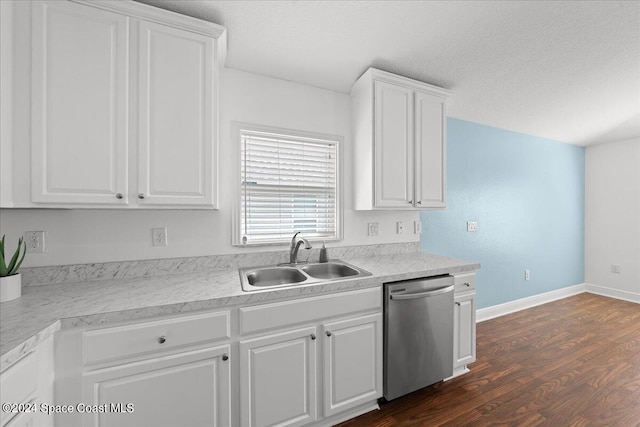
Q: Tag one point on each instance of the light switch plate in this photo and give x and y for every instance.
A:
(417, 227)
(472, 226)
(373, 229)
(400, 226)
(615, 268)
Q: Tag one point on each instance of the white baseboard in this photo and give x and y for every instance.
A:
(613, 293)
(524, 303)
(457, 372)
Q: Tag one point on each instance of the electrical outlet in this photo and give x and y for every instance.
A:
(373, 229)
(527, 275)
(159, 236)
(615, 268)
(400, 226)
(472, 226)
(417, 227)
(34, 241)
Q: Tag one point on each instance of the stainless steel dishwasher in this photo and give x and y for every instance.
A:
(418, 334)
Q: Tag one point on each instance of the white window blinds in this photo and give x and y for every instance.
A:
(288, 184)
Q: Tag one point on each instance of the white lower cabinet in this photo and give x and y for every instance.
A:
(190, 388)
(464, 324)
(19, 386)
(279, 376)
(352, 362)
(305, 361)
(278, 379)
(278, 372)
(168, 371)
(27, 384)
(322, 371)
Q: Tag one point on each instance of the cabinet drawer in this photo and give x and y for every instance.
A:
(282, 314)
(464, 282)
(121, 341)
(18, 383)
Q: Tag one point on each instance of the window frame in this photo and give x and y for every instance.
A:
(237, 128)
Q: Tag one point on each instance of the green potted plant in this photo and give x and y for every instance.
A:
(10, 280)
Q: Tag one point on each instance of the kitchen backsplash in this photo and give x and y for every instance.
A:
(159, 267)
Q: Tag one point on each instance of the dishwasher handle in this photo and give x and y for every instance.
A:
(427, 294)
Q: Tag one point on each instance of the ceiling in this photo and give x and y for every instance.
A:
(562, 70)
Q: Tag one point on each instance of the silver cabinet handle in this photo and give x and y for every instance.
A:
(162, 339)
(119, 196)
(467, 284)
(457, 303)
(419, 202)
(225, 357)
(141, 196)
(313, 336)
(328, 333)
(410, 202)
(422, 294)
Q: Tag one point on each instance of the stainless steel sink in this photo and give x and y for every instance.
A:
(329, 270)
(268, 277)
(274, 276)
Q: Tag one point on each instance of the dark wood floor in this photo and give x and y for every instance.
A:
(572, 362)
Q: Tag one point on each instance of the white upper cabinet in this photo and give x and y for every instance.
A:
(175, 86)
(399, 131)
(430, 154)
(123, 107)
(393, 145)
(79, 104)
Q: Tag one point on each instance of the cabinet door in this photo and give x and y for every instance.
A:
(175, 116)
(393, 146)
(185, 389)
(278, 379)
(464, 330)
(430, 151)
(79, 104)
(352, 362)
(19, 384)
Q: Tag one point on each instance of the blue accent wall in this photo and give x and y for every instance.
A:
(527, 195)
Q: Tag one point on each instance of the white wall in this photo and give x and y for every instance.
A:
(612, 217)
(86, 236)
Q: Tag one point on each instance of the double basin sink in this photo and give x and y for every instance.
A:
(288, 275)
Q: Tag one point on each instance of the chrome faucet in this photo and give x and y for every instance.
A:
(295, 245)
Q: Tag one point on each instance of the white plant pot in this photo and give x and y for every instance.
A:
(10, 287)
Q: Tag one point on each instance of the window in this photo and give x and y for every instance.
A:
(288, 183)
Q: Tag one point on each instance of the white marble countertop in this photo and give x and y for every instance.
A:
(43, 310)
